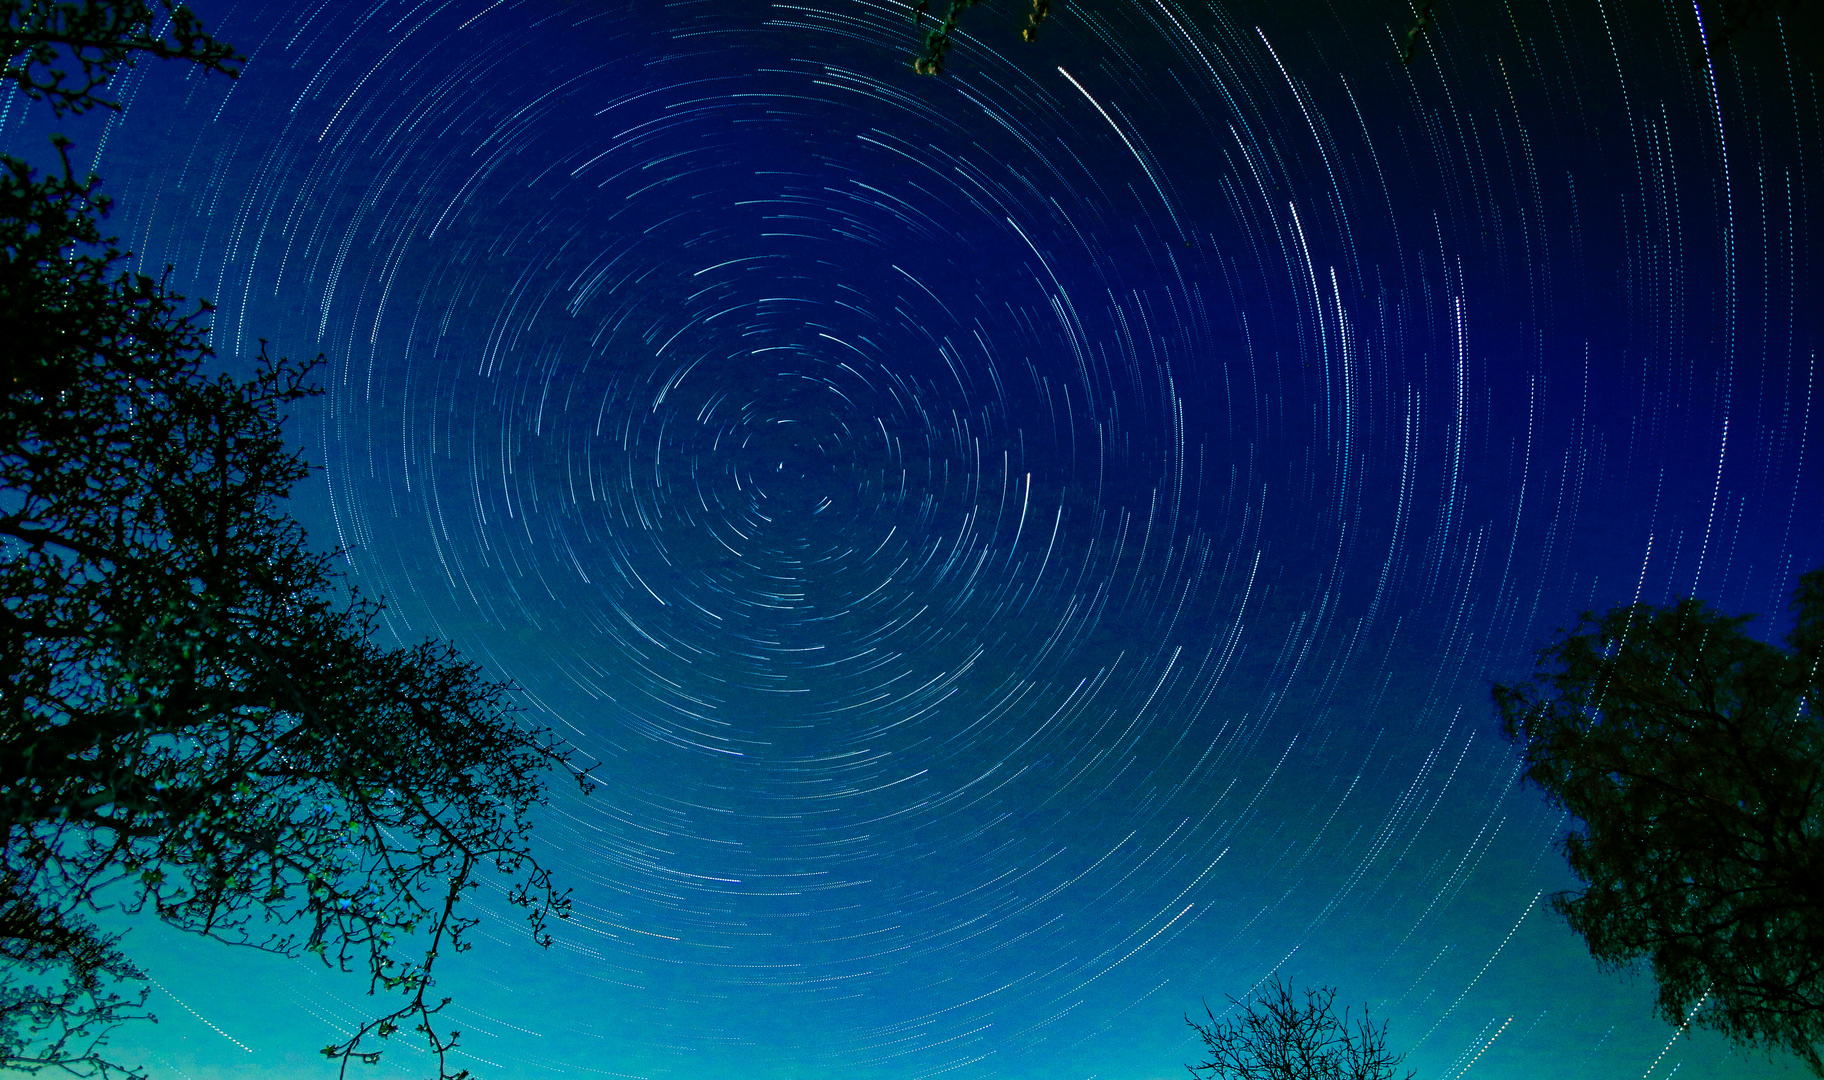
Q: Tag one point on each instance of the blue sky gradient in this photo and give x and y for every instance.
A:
(1028, 548)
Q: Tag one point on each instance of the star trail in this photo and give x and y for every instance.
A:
(1028, 547)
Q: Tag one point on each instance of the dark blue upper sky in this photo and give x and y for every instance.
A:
(1029, 547)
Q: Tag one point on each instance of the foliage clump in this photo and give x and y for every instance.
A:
(1692, 756)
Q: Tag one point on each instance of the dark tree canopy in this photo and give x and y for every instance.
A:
(194, 721)
(1276, 1038)
(1692, 755)
(63, 52)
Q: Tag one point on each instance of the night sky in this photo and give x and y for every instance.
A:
(1028, 548)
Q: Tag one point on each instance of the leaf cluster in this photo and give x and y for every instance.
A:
(1421, 25)
(1277, 1038)
(936, 42)
(929, 60)
(62, 53)
(1692, 756)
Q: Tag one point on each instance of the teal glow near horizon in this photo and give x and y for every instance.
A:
(1028, 547)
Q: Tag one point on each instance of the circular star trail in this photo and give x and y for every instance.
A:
(1027, 547)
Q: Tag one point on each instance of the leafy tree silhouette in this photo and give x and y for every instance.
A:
(1692, 756)
(194, 720)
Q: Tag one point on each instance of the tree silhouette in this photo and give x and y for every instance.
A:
(1276, 1038)
(1692, 756)
(194, 721)
(40, 39)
